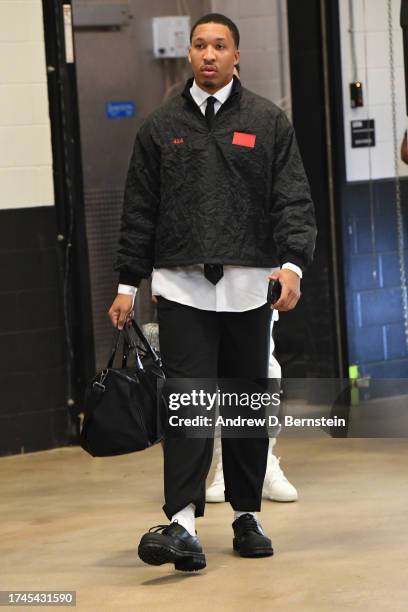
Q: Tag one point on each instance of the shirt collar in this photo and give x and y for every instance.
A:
(200, 96)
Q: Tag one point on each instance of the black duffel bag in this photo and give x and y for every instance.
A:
(123, 406)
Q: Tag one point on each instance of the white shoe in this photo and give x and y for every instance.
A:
(276, 486)
(215, 492)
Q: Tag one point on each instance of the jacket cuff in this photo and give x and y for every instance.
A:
(127, 279)
(290, 257)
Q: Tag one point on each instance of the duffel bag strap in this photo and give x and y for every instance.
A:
(128, 345)
(156, 358)
(131, 346)
(115, 344)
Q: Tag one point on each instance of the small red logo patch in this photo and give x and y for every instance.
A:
(178, 140)
(245, 140)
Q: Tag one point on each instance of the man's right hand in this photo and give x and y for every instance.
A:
(121, 310)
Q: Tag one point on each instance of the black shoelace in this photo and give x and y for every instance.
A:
(249, 523)
(162, 528)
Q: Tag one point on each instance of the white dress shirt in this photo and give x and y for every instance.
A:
(241, 288)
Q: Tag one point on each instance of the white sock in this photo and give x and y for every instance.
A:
(186, 518)
(238, 513)
(272, 442)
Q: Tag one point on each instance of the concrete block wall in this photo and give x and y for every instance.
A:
(33, 411)
(375, 318)
(372, 278)
(372, 48)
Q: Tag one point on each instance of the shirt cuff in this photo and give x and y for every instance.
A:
(293, 267)
(127, 290)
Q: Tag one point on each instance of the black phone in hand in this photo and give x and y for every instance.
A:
(274, 292)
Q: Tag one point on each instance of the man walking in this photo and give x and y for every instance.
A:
(216, 199)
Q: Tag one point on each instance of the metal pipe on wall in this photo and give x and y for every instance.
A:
(330, 181)
(404, 26)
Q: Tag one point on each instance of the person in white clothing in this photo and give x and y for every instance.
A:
(276, 486)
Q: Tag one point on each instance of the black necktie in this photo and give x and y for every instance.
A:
(209, 111)
(212, 272)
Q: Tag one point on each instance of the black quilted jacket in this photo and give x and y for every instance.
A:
(235, 194)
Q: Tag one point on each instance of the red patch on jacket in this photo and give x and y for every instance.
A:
(178, 140)
(245, 140)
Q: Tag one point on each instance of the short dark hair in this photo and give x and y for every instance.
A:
(218, 18)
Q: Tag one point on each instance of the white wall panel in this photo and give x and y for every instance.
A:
(372, 45)
(25, 134)
(264, 45)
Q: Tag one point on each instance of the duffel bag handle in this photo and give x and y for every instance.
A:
(115, 344)
(129, 344)
(153, 354)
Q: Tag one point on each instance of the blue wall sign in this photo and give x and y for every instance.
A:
(120, 110)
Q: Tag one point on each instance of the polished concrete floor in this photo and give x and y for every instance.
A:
(71, 522)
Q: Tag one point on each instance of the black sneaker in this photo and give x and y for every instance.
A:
(249, 540)
(173, 545)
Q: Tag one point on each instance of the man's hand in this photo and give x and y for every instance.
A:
(290, 294)
(121, 310)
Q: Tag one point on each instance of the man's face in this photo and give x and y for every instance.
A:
(212, 56)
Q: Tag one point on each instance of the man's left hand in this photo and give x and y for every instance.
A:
(290, 293)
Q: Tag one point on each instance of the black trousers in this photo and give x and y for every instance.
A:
(206, 344)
